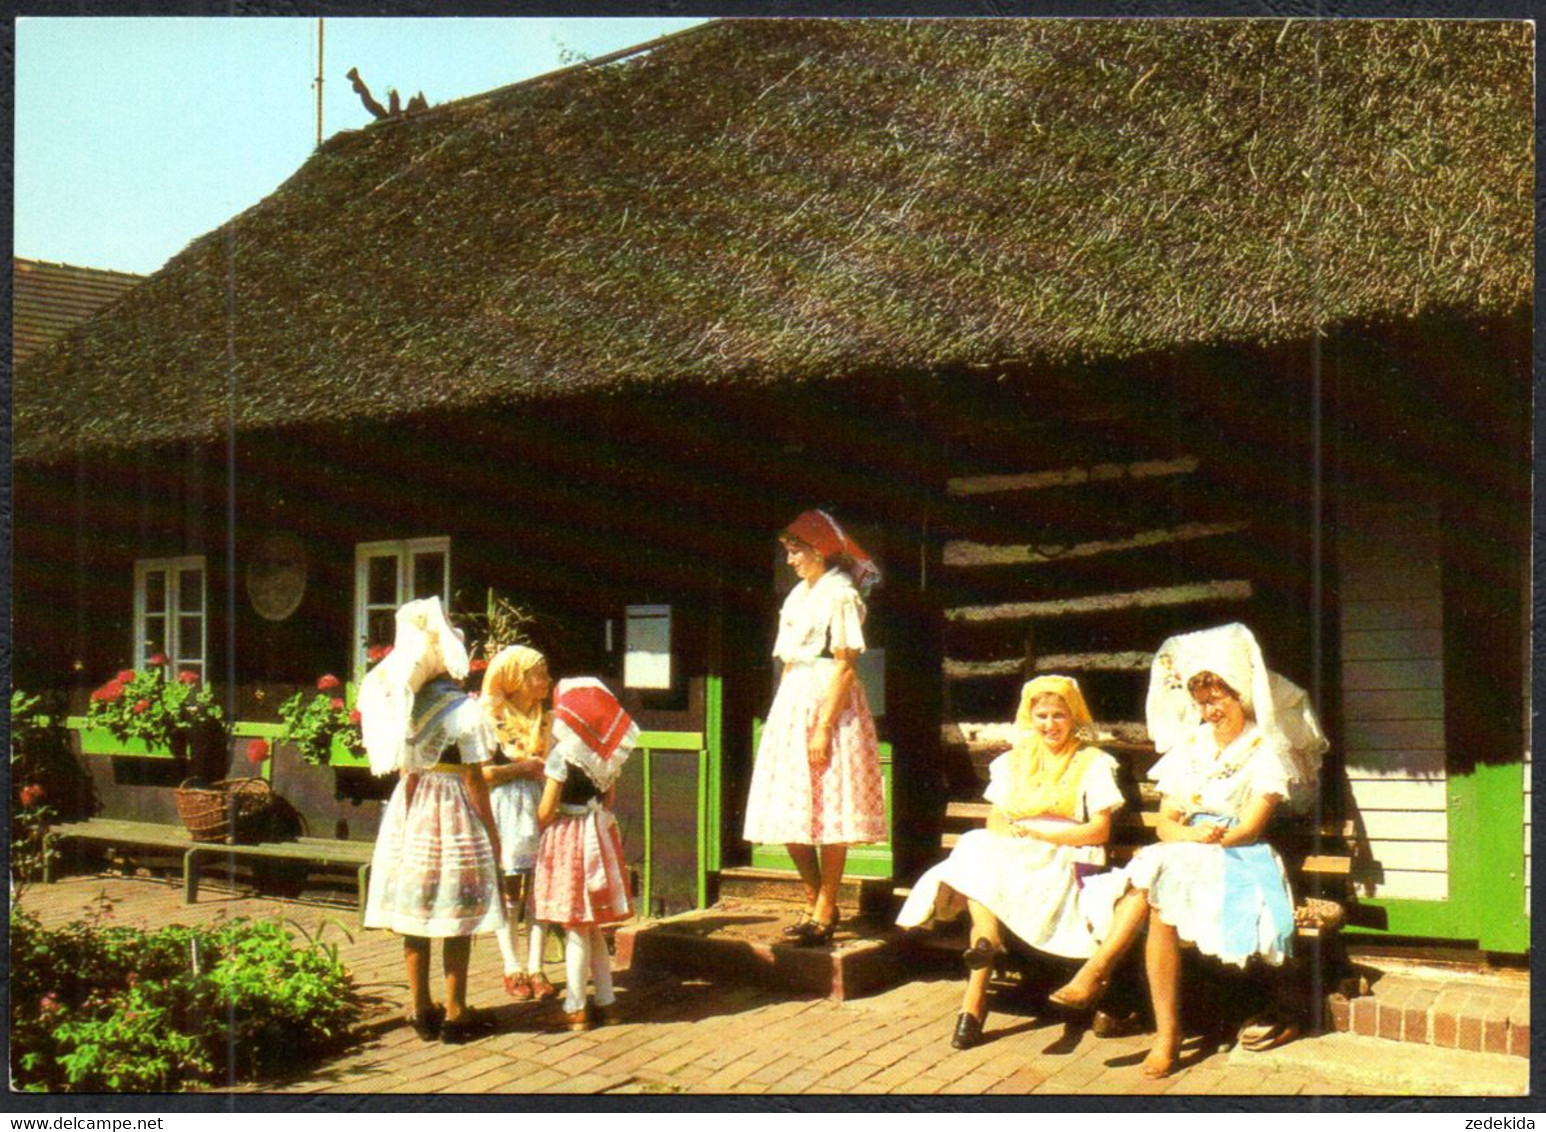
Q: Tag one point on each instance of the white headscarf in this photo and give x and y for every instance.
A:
(425, 646)
(1280, 707)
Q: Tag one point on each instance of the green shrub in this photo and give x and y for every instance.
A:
(98, 1008)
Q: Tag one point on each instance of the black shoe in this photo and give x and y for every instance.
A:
(979, 955)
(792, 931)
(968, 1031)
(469, 1027)
(813, 933)
(428, 1025)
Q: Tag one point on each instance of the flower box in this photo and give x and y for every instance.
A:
(101, 741)
(341, 754)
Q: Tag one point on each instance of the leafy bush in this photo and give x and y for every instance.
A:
(313, 719)
(47, 783)
(153, 706)
(97, 1008)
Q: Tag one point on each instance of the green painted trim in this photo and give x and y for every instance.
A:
(242, 729)
(1500, 855)
(646, 893)
(711, 816)
(1486, 869)
(671, 740)
(703, 832)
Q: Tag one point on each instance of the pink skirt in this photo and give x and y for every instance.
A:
(790, 803)
(433, 872)
(580, 877)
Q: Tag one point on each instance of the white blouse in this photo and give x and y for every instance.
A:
(1195, 777)
(830, 612)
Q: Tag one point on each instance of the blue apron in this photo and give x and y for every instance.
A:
(1252, 880)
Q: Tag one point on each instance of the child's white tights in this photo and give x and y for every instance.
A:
(512, 952)
(586, 960)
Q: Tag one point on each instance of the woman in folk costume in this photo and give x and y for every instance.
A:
(816, 787)
(1237, 741)
(1053, 796)
(580, 879)
(515, 685)
(435, 872)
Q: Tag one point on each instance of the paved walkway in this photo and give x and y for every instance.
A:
(679, 1035)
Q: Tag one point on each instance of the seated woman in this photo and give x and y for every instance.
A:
(1053, 797)
(1237, 741)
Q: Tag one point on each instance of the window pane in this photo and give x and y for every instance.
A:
(382, 583)
(190, 591)
(382, 627)
(429, 572)
(190, 638)
(155, 637)
(155, 591)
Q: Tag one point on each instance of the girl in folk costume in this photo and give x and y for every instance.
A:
(816, 786)
(1053, 796)
(580, 879)
(435, 871)
(514, 687)
(1237, 741)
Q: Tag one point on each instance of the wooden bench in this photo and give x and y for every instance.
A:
(1318, 856)
(324, 853)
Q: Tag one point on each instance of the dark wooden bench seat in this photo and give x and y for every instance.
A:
(324, 854)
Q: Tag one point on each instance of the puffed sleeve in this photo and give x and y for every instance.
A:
(475, 736)
(998, 781)
(1270, 770)
(555, 767)
(1099, 785)
(845, 629)
(1175, 775)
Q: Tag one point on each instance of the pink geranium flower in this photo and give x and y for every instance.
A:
(336, 704)
(186, 677)
(327, 683)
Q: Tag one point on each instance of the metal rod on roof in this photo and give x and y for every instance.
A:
(319, 81)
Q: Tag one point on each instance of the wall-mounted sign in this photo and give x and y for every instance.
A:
(276, 575)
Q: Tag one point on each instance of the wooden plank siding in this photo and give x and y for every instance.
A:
(1393, 693)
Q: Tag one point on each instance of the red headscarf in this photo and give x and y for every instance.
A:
(820, 530)
(591, 729)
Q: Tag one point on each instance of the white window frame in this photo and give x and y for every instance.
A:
(404, 550)
(173, 612)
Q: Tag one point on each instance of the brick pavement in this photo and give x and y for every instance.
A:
(685, 1035)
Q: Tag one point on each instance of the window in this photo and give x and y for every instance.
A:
(387, 574)
(647, 647)
(169, 614)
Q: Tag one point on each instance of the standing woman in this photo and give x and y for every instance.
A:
(1238, 741)
(816, 787)
(435, 871)
(514, 688)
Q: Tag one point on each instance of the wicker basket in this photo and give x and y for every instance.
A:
(231, 810)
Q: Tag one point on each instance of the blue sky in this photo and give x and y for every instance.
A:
(135, 135)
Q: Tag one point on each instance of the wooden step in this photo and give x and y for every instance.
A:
(778, 886)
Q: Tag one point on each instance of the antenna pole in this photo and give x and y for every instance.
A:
(319, 81)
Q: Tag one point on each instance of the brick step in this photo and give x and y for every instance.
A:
(871, 896)
(1486, 1013)
(742, 939)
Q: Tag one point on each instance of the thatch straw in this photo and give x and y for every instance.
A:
(769, 200)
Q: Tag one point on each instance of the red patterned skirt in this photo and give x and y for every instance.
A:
(842, 804)
(580, 877)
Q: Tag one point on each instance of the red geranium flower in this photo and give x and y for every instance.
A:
(31, 794)
(141, 706)
(186, 677)
(257, 751)
(48, 1004)
(336, 704)
(378, 653)
(157, 661)
(354, 716)
(327, 683)
(124, 676)
(477, 665)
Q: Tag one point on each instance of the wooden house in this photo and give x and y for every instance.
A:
(1094, 331)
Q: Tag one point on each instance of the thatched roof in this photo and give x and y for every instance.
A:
(767, 200)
